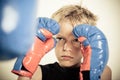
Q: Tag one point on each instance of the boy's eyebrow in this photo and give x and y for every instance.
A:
(59, 35)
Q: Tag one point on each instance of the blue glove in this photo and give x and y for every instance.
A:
(26, 65)
(94, 48)
(48, 24)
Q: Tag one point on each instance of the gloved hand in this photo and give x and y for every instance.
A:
(94, 48)
(26, 65)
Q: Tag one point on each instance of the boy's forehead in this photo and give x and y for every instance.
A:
(66, 35)
(65, 28)
(67, 22)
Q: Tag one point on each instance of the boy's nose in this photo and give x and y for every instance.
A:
(67, 46)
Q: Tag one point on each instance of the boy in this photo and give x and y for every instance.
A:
(67, 49)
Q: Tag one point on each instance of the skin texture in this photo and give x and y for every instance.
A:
(67, 54)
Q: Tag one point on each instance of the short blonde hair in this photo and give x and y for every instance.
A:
(75, 14)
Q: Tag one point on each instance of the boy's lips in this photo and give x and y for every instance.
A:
(65, 57)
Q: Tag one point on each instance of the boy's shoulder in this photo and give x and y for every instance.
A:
(107, 74)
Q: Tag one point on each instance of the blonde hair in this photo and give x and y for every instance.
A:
(75, 14)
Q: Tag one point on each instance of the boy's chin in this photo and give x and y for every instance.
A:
(68, 64)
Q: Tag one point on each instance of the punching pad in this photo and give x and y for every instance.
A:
(17, 18)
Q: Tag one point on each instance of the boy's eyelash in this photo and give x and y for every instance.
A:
(59, 38)
(75, 40)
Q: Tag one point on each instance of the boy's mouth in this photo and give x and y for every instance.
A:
(64, 57)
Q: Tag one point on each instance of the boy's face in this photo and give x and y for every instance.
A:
(68, 47)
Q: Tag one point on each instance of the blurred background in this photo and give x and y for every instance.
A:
(17, 29)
